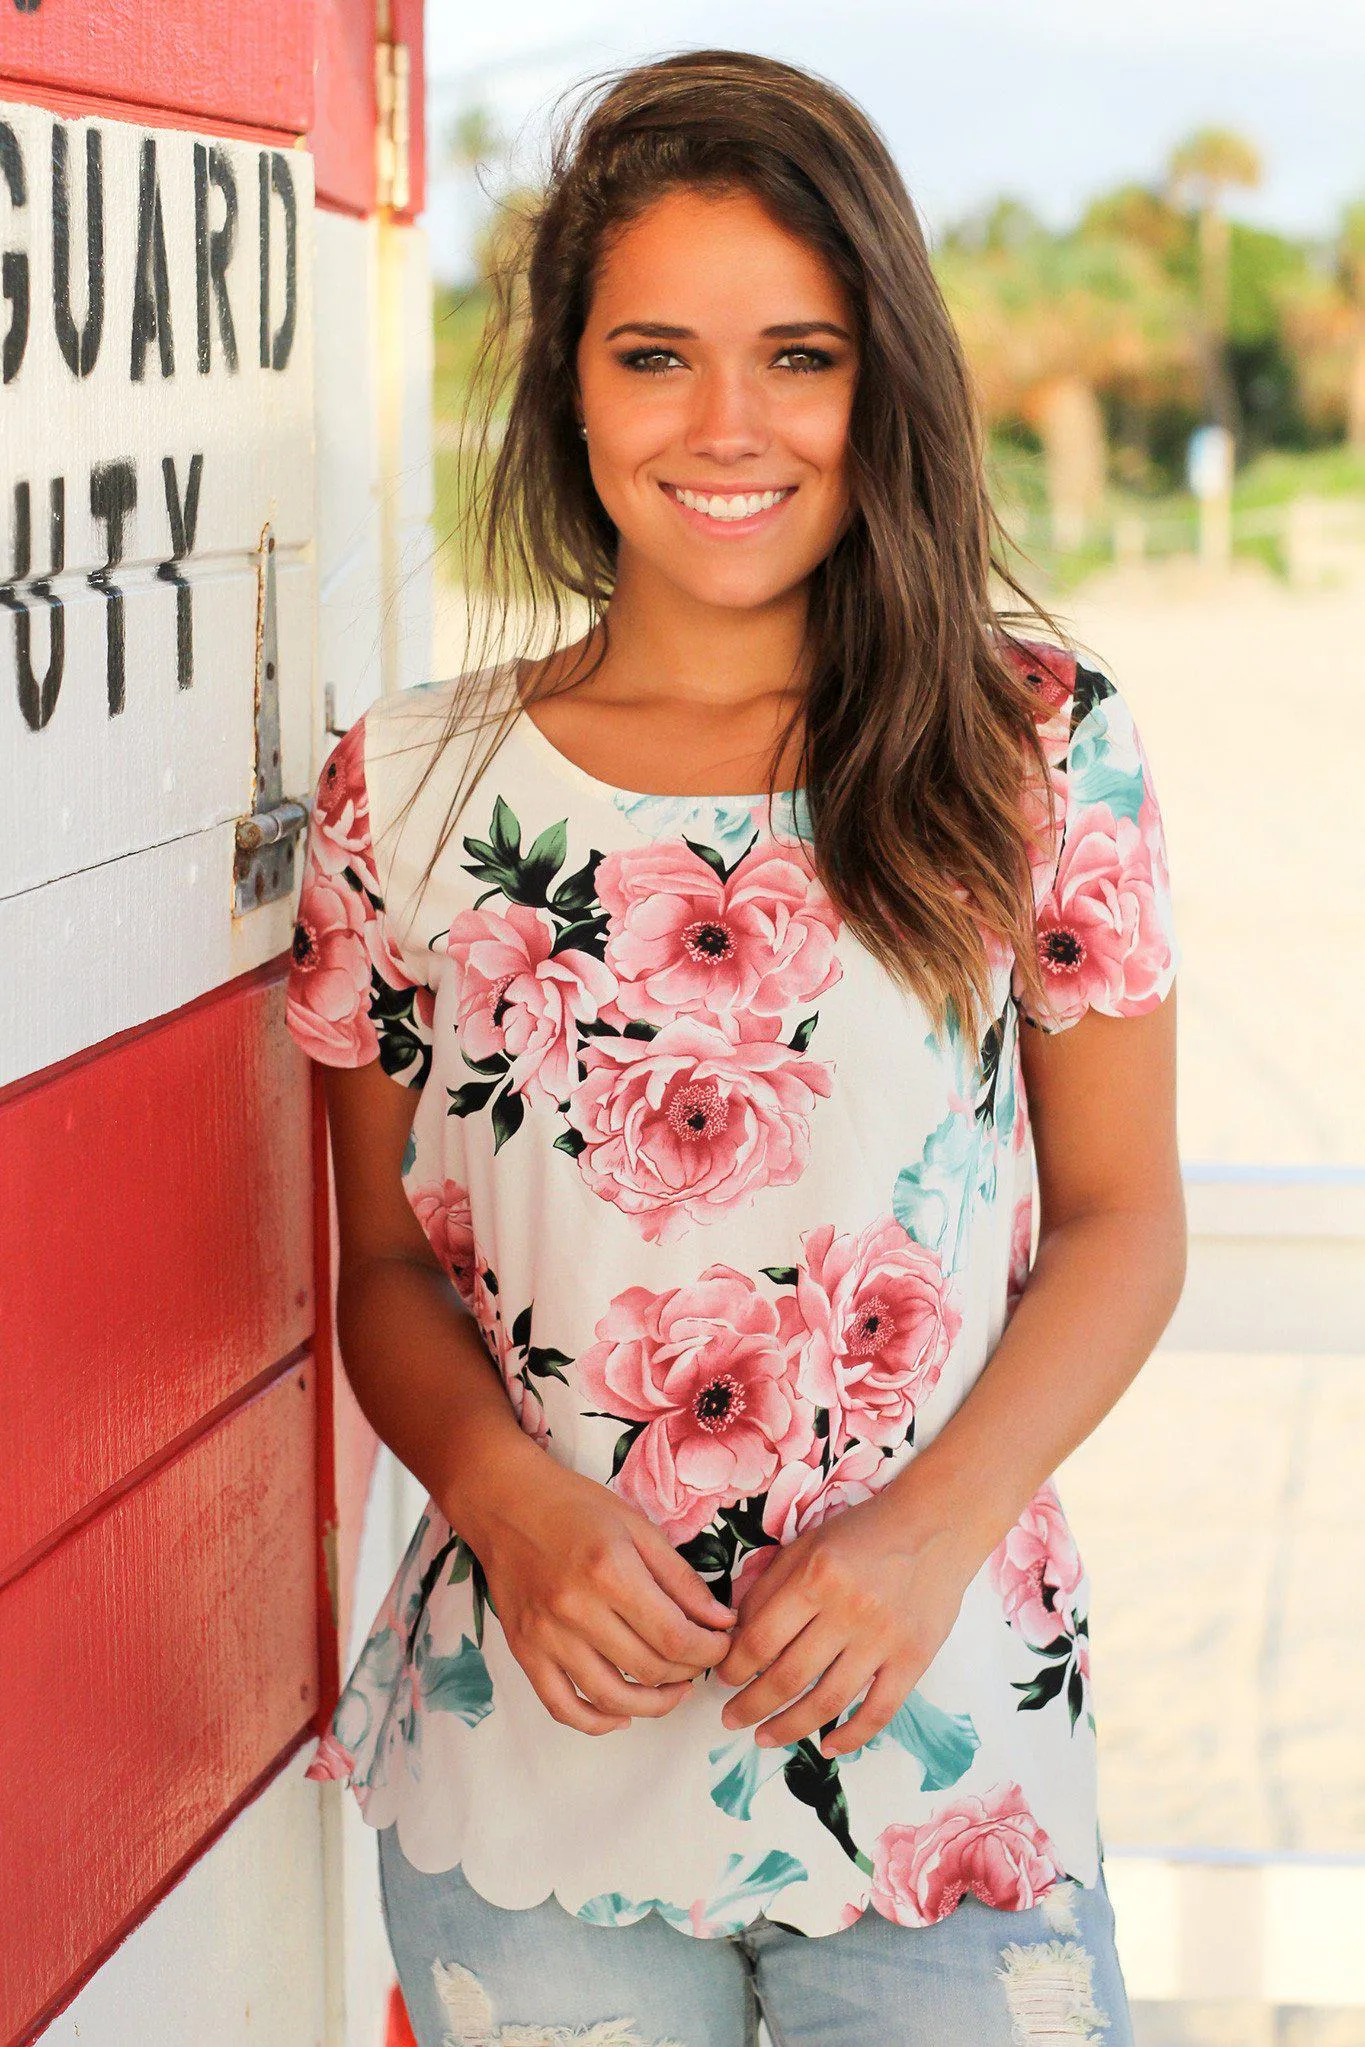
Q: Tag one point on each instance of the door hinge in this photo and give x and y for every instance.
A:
(263, 861)
(393, 135)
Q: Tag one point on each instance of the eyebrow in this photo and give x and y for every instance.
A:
(784, 330)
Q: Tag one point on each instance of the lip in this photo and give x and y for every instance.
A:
(724, 529)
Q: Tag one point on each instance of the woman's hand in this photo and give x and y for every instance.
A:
(864, 1599)
(590, 1594)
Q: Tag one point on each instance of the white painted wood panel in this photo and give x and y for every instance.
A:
(236, 1952)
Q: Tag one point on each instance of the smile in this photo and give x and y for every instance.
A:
(729, 508)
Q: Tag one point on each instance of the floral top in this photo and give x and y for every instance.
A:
(739, 1231)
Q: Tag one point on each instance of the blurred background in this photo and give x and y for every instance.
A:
(1150, 227)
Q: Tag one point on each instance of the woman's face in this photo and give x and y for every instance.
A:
(718, 361)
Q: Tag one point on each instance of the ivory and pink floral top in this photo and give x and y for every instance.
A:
(739, 1232)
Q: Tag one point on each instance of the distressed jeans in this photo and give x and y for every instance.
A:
(479, 1975)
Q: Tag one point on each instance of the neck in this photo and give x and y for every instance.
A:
(668, 644)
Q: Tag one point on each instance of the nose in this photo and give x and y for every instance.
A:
(728, 418)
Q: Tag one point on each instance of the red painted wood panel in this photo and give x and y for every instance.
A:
(250, 61)
(156, 1245)
(343, 130)
(157, 1663)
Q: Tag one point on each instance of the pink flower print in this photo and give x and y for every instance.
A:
(802, 1496)
(528, 1407)
(517, 996)
(1021, 1250)
(688, 1126)
(1101, 941)
(443, 1211)
(332, 1761)
(707, 1369)
(991, 1846)
(1037, 1569)
(329, 978)
(339, 830)
(880, 1320)
(684, 942)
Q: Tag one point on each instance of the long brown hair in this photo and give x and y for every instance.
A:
(920, 725)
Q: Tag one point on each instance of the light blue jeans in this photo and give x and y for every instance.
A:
(479, 1975)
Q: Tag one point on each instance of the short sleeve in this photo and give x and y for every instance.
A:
(353, 995)
(1105, 931)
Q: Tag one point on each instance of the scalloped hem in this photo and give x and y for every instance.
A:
(690, 1923)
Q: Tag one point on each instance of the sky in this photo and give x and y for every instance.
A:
(1049, 100)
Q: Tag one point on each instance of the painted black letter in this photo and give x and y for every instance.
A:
(213, 252)
(38, 701)
(80, 350)
(184, 518)
(14, 263)
(274, 170)
(151, 284)
(113, 494)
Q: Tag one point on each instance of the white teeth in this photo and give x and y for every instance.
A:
(729, 508)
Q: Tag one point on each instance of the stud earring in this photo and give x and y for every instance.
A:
(583, 429)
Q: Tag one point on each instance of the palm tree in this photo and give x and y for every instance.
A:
(1050, 321)
(1351, 268)
(1201, 170)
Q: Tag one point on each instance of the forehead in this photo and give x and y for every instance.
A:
(712, 261)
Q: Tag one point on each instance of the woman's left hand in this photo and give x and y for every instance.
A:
(864, 1599)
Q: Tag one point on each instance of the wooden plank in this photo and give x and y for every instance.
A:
(182, 1160)
(343, 131)
(147, 934)
(157, 1662)
(136, 485)
(236, 1952)
(251, 62)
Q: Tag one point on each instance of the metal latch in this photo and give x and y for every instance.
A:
(263, 865)
(393, 133)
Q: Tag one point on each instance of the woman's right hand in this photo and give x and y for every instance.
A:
(593, 1598)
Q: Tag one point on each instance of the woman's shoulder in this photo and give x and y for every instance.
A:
(426, 734)
(1049, 670)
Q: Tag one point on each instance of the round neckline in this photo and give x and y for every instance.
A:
(613, 791)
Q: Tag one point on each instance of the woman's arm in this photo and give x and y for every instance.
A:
(413, 1353)
(604, 1616)
(870, 1595)
(1108, 1273)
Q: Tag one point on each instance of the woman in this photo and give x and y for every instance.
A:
(739, 1660)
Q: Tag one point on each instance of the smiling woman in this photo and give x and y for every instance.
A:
(690, 1266)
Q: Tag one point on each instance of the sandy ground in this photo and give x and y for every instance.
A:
(1219, 1507)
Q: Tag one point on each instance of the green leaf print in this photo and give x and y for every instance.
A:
(926, 1197)
(1091, 688)
(747, 1880)
(458, 1684)
(713, 859)
(543, 862)
(1038, 1691)
(571, 1141)
(1095, 773)
(707, 1553)
(544, 1363)
(469, 1099)
(805, 1030)
(943, 1742)
(781, 1275)
(508, 1111)
(614, 1908)
(506, 830)
(578, 891)
(814, 1779)
(744, 1769)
